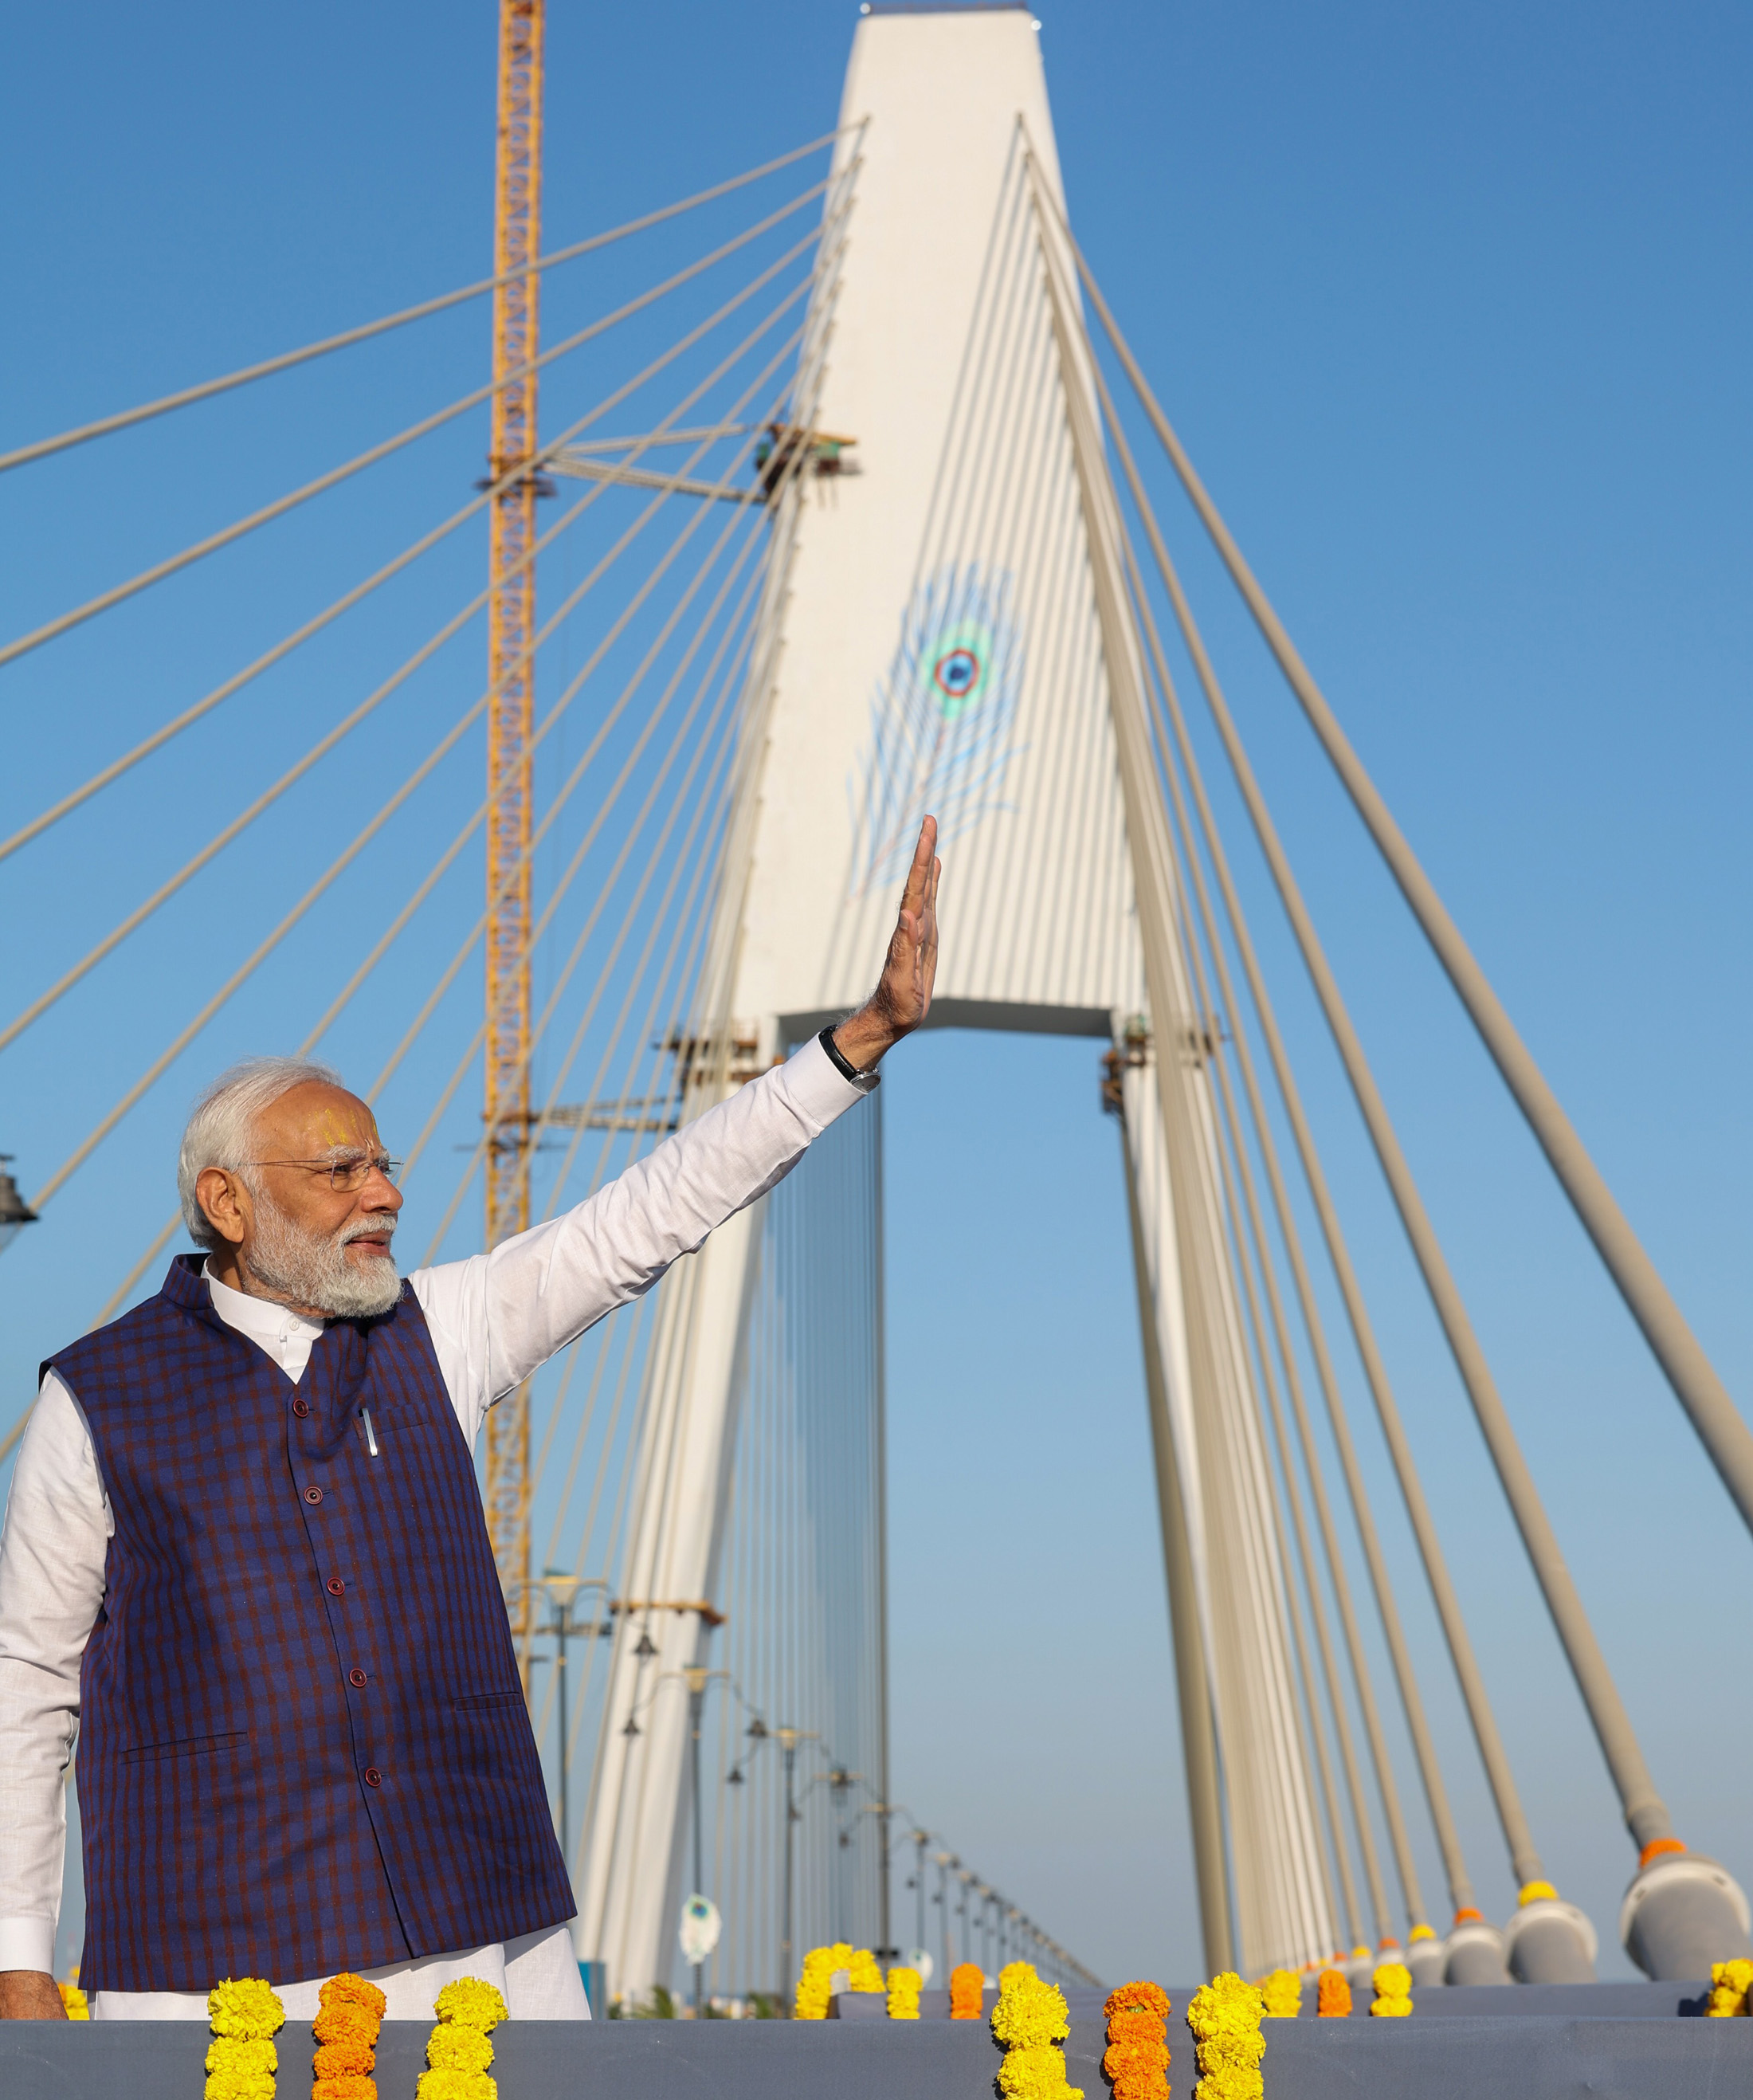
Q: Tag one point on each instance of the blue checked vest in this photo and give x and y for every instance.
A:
(302, 1745)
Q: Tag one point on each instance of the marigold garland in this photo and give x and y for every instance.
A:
(350, 2014)
(1332, 1995)
(968, 1990)
(904, 1987)
(1282, 1992)
(815, 1983)
(1730, 1981)
(1393, 1991)
(457, 2050)
(1136, 2060)
(1225, 2018)
(1030, 2019)
(73, 2002)
(242, 2060)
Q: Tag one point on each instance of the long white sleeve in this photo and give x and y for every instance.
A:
(497, 1317)
(494, 1320)
(52, 1553)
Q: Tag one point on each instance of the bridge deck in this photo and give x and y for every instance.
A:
(1524, 2055)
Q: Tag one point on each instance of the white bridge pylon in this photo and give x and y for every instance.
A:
(949, 628)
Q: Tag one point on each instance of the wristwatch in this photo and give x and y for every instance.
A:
(842, 1064)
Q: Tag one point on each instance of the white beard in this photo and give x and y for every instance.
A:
(306, 1267)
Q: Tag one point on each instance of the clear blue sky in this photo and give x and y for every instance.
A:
(1452, 309)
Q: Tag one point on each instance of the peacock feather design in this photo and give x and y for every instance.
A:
(942, 720)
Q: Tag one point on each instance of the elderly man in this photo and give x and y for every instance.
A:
(245, 1560)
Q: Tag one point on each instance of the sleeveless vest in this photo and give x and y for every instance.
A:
(302, 1746)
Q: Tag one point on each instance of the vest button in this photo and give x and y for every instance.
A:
(373, 1777)
(313, 1496)
(301, 1408)
(356, 1679)
(335, 1586)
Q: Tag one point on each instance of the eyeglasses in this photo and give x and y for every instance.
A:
(347, 1173)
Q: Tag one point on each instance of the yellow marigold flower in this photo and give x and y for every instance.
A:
(251, 2059)
(1225, 2004)
(1030, 2014)
(246, 2008)
(470, 2003)
(345, 2059)
(354, 1990)
(458, 2048)
(345, 2022)
(227, 2084)
(1393, 1991)
(1282, 1992)
(1012, 1971)
(73, 2002)
(904, 1986)
(344, 2088)
(864, 1972)
(1035, 2074)
(455, 2085)
(1728, 1997)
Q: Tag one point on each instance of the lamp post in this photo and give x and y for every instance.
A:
(698, 1678)
(15, 1212)
(788, 1740)
(562, 1591)
(920, 1839)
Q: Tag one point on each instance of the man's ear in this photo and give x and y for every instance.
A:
(222, 1200)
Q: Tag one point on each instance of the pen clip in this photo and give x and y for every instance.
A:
(370, 1433)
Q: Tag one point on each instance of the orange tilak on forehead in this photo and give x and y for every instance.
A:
(315, 1121)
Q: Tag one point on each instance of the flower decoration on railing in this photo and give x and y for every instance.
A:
(1332, 1995)
(459, 2049)
(1393, 1991)
(242, 2061)
(1225, 2018)
(1031, 2021)
(1730, 1982)
(968, 1990)
(1282, 1992)
(349, 2016)
(904, 1987)
(1135, 2063)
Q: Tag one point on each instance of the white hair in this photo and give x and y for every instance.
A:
(221, 1128)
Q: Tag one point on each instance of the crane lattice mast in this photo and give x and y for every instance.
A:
(517, 233)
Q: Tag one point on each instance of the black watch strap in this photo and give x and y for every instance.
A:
(841, 1064)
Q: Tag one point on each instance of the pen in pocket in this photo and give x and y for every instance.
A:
(371, 1434)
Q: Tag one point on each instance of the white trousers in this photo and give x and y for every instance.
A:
(539, 1974)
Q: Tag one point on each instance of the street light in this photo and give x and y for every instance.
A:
(15, 1212)
(699, 1677)
(562, 1591)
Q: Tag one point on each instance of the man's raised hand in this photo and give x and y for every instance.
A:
(903, 997)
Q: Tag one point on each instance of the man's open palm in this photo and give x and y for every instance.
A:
(903, 998)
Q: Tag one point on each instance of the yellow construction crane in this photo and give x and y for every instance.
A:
(517, 234)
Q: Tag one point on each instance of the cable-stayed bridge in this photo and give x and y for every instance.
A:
(832, 519)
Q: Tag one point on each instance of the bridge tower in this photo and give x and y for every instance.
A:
(952, 631)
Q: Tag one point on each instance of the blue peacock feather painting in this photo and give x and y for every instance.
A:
(942, 720)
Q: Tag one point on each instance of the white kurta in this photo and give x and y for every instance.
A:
(494, 1319)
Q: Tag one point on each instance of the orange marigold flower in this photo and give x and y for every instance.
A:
(345, 2059)
(344, 2088)
(967, 1986)
(1136, 2024)
(343, 2021)
(1332, 2000)
(348, 1988)
(1135, 2059)
(1148, 1997)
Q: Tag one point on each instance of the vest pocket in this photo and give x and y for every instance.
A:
(487, 1702)
(185, 1746)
